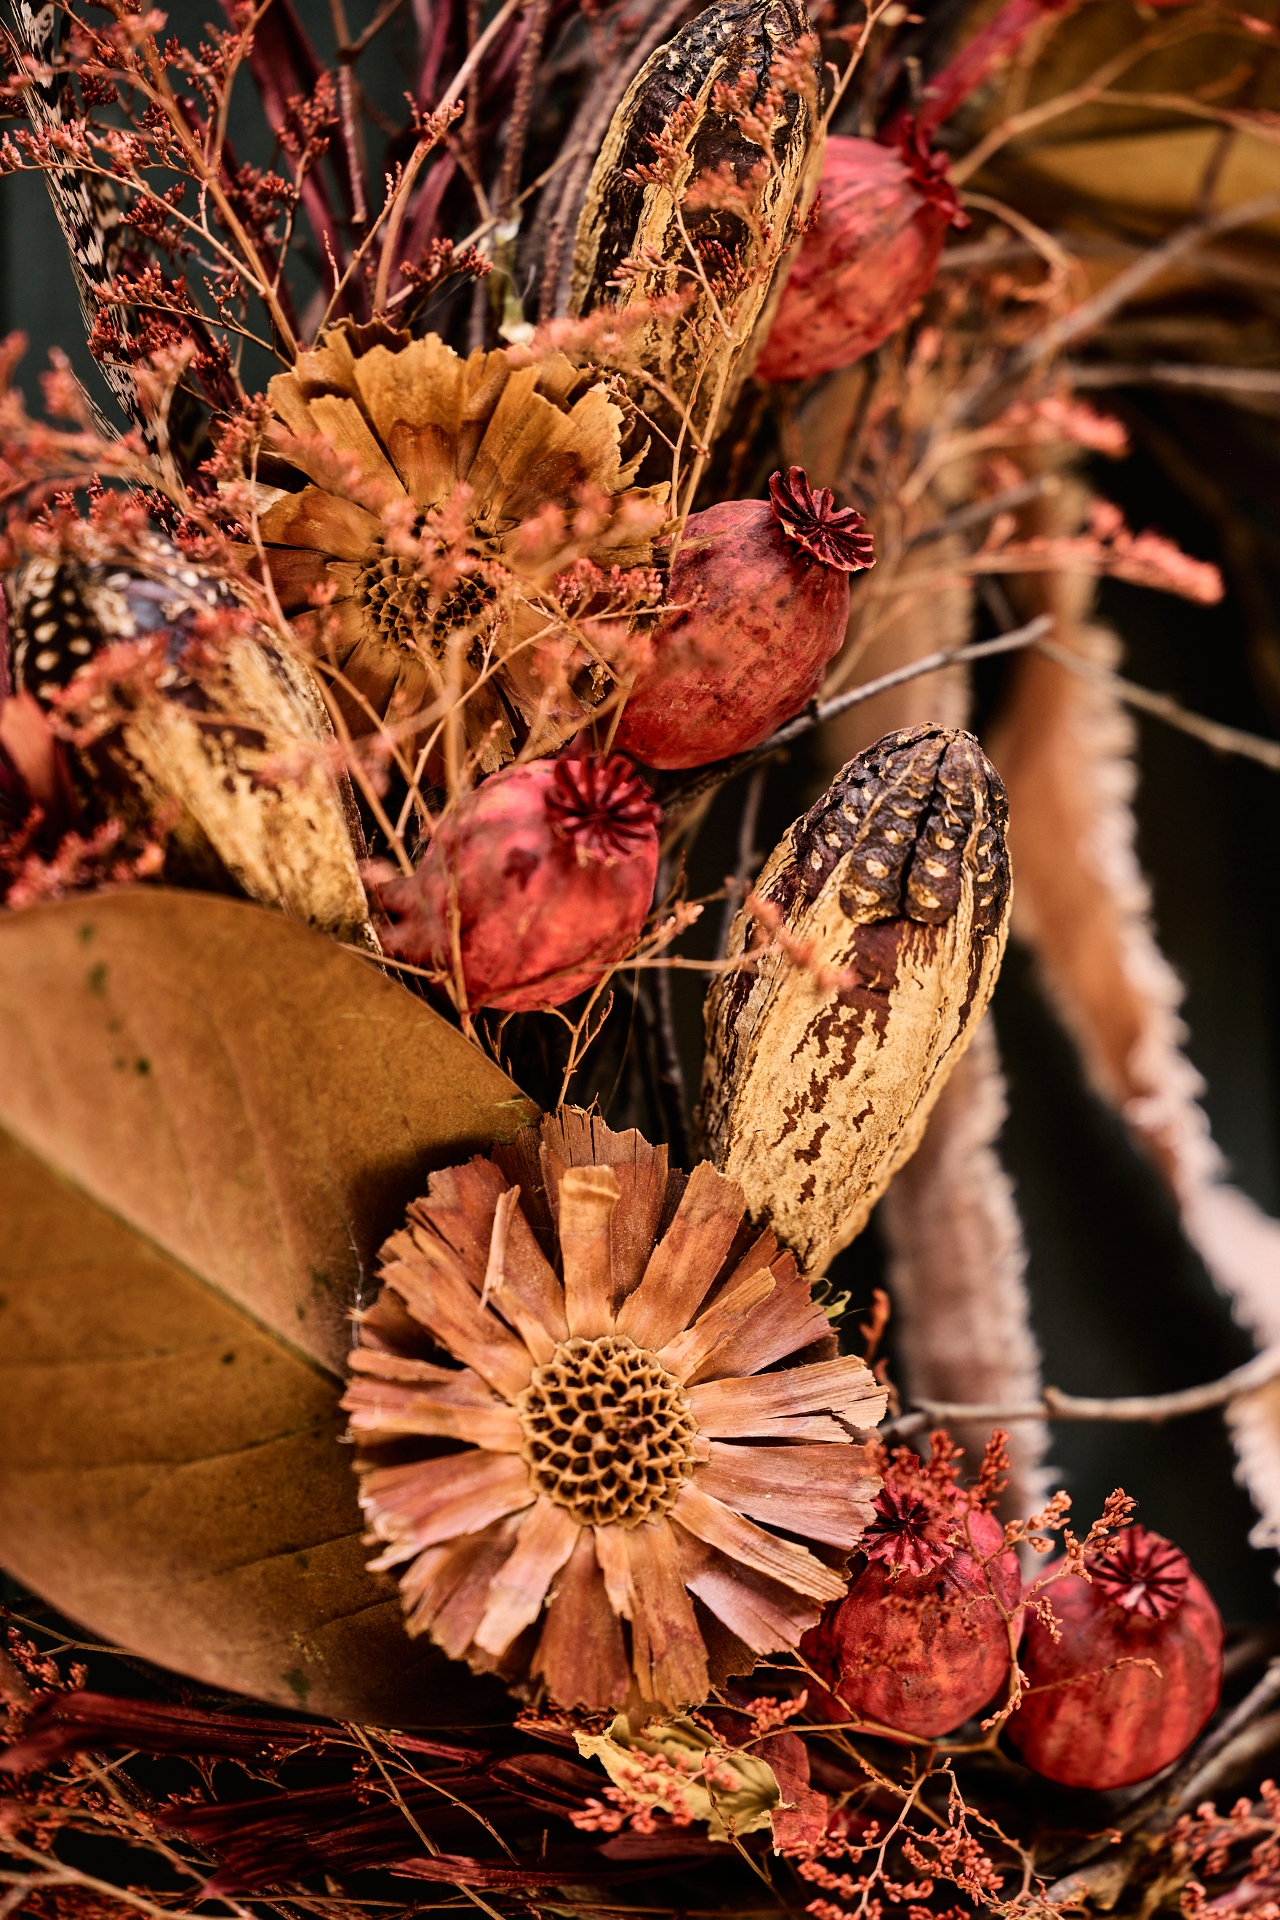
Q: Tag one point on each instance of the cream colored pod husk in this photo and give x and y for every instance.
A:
(882, 915)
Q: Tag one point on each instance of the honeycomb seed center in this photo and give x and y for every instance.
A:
(607, 1432)
(402, 609)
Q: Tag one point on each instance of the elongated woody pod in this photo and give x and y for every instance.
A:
(698, 207)
(884, 911)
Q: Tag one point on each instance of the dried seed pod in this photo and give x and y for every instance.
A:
(762, 589)
(542, 877)
(629, 216)
(872, 252)
(197, 728)
(891, 900)
(1131, 1673)
(917, 1643)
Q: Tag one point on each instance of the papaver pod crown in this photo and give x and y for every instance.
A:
(1129, 1672)
(810, 517)
(602, 808)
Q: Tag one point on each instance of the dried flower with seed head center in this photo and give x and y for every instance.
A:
(905, 1534)
(838, 536)
(601, 1473)
(445, 495)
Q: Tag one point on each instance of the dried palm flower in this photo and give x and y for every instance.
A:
(180, 705)
(445, 496)
(889, 901)
(614, 1439)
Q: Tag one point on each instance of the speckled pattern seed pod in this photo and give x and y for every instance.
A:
(822, 1069)
(622, 215)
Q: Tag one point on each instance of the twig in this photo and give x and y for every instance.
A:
(1173, 373)
(743, 872)
(984, 510)
(1224, 739)
(1091, 313)
(818, 713)
(1056, 1405)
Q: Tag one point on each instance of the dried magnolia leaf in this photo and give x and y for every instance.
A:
(1066, 746)
(210, 1117)
(891, 896)
(703, 352)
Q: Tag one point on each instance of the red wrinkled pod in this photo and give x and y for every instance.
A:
(1119, 1723)
(871, 253)
(918, 1644)
(550, 868)
(764, 587)
(874, 247)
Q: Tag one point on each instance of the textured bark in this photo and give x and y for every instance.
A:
(957, 1265)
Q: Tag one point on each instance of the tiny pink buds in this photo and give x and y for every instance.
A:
(761, 592)
(870, 255)
(1134, 1674)
(536, 883)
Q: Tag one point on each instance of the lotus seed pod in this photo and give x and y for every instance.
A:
(762, 592)
(881, 916)
(1140, 1649)
(549, 870)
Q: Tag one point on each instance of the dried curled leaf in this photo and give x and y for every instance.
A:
(890, 898)
(209, 1119)
(667, 127)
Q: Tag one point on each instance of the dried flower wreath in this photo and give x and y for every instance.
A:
(474, 505)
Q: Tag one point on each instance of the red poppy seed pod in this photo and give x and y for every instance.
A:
(918, 1643)
(763, 588)
(1141, 1655)
(550, 869)
(871, 253)
(886, 205)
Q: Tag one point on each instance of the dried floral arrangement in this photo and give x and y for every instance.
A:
(438, 1466)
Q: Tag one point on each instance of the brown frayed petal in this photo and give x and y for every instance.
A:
(765, 1615)
(824, 1493)
(712, 1521)
(461, 1388)
(787, 1322)
(581, 1655)
(423, 1273)
(667, 1651)
(690, 1349)
(548, 1535)
(322, 522)
(615, 1569)
(573, 1139)
(380, 1407)
(459, 1207)
(686, 1260)
(588, 1196)
(445, 1592)
(741, 1408)
(419, 1505)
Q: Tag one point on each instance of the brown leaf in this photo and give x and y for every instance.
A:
(210, 1117)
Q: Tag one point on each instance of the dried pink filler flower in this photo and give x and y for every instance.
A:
(548, 870)
(760, 594)
(612, 1442)
(1127, 1674)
